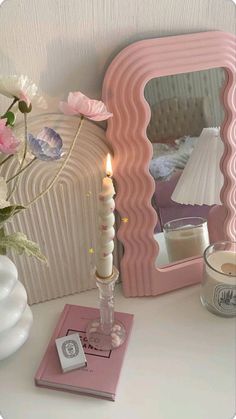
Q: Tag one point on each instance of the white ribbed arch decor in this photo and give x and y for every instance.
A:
(65, 221)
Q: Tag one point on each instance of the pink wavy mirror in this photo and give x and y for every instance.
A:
(123, 93)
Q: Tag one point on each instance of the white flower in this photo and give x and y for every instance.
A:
(3, 193)
(22, 88)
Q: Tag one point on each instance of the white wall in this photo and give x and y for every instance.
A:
(67, 45)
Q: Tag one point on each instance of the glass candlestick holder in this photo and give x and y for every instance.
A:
(105, 333)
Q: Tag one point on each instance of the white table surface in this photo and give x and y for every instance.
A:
(180, 364)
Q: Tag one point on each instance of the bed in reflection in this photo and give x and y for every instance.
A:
(174, 129)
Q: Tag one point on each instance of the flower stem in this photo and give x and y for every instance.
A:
(22, 161)
(22, 170)
(26, 140)
(61, 167)
(8, 109)
(6, 159)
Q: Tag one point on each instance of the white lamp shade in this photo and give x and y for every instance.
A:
(202, 180)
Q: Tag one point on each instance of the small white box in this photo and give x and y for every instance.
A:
(70, 352)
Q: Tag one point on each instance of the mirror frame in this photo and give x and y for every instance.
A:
(123, 93)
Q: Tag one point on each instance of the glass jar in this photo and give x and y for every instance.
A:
(218, 289)
(186, 237)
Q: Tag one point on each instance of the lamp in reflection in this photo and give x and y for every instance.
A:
(202, 180)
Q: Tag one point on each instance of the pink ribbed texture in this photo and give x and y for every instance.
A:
(123, 93)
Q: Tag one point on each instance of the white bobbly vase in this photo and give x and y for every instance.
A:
(15, 315)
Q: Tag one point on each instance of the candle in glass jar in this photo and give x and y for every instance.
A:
(218, 290)
(186, 237)
(106, 223)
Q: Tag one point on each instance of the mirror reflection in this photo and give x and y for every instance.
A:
(186, 114)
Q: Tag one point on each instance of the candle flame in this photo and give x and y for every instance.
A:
(109, 171)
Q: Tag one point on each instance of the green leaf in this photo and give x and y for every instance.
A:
(10, 118)
(8, 212)
(19, 243)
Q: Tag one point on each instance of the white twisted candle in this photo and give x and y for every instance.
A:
(107, 232)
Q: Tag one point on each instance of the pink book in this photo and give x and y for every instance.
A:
(100, 377)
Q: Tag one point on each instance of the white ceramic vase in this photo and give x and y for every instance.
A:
(15, 315)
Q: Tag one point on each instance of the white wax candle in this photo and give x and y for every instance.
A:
(186, 242)
(223, 261)
(107, 232)
(219, 282)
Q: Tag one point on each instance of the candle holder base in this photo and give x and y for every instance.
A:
(105, 333)
(102, 341)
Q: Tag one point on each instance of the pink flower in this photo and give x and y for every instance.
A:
(8, 142)
(79, 104)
